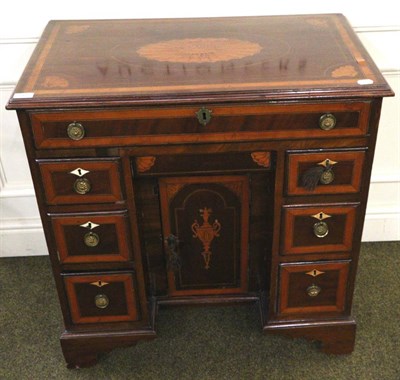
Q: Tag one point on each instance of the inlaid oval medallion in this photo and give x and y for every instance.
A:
(199, 50)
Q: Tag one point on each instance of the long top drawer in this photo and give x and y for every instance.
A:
(122, 127)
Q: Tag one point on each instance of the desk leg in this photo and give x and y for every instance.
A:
(82, 350)
(336, 337)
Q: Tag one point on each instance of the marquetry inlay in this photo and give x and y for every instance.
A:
(318, 22)
(172, 189)
(74, 29)
(321, 216)
(206, 233)
(234, 186)
(52, 81)
(99, 283)
(327, 163)
(344, 71)
(315, 273)
(199, 50)
(261, 158)
(145, 163)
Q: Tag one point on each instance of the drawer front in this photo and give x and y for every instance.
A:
(313, 287)
(76, 181)
(247, 161)
(196, 124)
(101, 298)
(324, 228)
(329, 172)
(92, 238)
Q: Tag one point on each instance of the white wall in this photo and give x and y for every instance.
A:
(21, 24)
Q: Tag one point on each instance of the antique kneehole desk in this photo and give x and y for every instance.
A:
(199, 161)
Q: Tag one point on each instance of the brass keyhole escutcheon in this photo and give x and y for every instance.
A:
(91, 239)
(321, 229)
(204, 115)
(82, 186)
(313, 290)
(101, 301)
(327, 122)
(76, 131)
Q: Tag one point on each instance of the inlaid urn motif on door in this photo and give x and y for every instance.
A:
(208, 218)
(206, 233)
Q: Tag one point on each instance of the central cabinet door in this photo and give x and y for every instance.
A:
(205, 222)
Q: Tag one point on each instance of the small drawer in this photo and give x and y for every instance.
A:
(203, 163)
(101, 298)
(211, 123)
(313, 287)
(328, 172)
(324, 228)
(81, 181)
(92, 238)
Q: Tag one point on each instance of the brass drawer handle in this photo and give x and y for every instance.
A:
(76, 131)
(203, 116)
(101, 301)
(82, 186)
(313, 290)
(321, 229)
(91, 239)
(327, 122)
(327, 176)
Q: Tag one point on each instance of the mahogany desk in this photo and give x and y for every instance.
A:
(201, 161)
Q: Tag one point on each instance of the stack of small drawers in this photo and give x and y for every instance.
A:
(318, 226)
(92, 240)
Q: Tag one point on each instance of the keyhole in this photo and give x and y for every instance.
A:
(90, 226)
(203, 115)
(320, 215)
(79, 172)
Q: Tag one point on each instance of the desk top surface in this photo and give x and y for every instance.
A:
(127, 62)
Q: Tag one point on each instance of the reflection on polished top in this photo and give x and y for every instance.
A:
(141, 61)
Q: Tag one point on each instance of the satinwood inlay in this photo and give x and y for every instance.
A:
(206, 233)
(344, 71)
(261, 158)
(145, 163)
(199, 50)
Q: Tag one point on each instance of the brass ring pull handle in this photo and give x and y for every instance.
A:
(101, 301)
(321, 173)
(327, 122)
(91, 239)
(327, 176)
(204, 116)
(174, 261)
(82, 186)
(76, 131)
(321, 229)
(313, 290)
